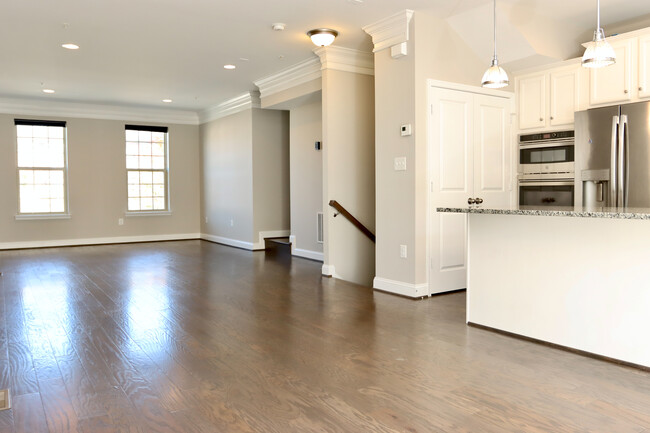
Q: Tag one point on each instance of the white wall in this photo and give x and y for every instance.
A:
(306, 175)
(97, 187)
(270, 171)
(434, 52)
(349, 173)
(227, 177)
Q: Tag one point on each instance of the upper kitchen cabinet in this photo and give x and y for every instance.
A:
(644, 67)
(548, 98)
(613, 84)
(532, 101)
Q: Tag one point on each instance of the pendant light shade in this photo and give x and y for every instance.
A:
(599, 52)
(495, 77)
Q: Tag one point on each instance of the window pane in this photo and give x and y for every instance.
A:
(134, 177)
(145, 161)
(55, 132)
(131, 135)
(145, 148)
(146, 191)
(159, 190)
(132, 162)
(146, 203)
(57, 205)
(134, 204)
(24, 131)
(132, 148)
(158, 137)
(158, 149)
(144, 136)
(159, 204)
(56, 177)
(158, 177)
(146, 177)
(40, 131)
(158, 163)
(26, 177)
(41, 177)
(134, 191)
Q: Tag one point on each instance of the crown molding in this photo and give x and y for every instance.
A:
(237, 104)
(292, 76)
(390, 31)
(346, 59)
(53, 108)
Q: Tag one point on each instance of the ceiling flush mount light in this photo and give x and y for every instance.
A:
(48, 91)
(599, 52)
(495, 77)
(229, 67)
(70, 46)
(322, 37)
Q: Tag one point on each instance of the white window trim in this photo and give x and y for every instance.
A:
(42, 216)
(144, 213)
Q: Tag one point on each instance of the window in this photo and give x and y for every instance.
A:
(42, 166)
(147, 168)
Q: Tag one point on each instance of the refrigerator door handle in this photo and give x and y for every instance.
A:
(626, 153)
(613, 177)
(621, 172)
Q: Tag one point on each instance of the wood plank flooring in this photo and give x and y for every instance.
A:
(196, 337)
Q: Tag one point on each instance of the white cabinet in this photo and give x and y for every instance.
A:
(565, 96)
(613, 83)
(644, 67)
(549, 98)
(470, 156)
(532, 101)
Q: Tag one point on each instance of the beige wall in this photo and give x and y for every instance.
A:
(434, 52)
(270, 170)
(306, 174)
(227, 177)
(97, 185)
(349, 172)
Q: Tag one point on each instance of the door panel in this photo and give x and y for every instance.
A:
(532, 102)
(451, 159)
(637, 144)
(612, 84)
(564, 96)
(492, 150)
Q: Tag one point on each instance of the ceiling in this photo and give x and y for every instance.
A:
(138, 52)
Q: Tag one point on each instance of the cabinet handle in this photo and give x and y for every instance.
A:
(541, 119)
(551, 117)
(625, 91)
(640, 89)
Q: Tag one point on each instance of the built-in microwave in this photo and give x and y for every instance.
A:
(547, 169)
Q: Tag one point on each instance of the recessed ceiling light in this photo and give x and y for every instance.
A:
(229, 66)
(48, 91)
(278, 27)
(167, 101)
(70, 46)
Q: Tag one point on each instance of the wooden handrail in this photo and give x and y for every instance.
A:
(336, 205)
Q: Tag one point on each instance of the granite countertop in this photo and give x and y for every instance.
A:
(577, 212)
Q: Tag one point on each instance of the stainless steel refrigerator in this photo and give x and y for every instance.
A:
(612, 152)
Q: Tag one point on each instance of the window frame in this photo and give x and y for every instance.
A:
(166, 171)
(65, 214)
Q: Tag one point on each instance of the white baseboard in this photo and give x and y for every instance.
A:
(328, 270)
(227, 241)
(260, 245)
(401, 288)
(97, 241)
(307, 254)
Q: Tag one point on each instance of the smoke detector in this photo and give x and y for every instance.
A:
(278, 27)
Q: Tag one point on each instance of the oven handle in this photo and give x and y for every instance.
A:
(524, 146)
(545, 183)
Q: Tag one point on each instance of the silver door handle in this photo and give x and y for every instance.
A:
(621, 202)
(478, 200)
(613, 177)
(471, 201)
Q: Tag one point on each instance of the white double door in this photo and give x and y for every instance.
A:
(470, 157)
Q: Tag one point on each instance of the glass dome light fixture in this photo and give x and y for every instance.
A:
(495, 77)
(322, 37)
(599, 52)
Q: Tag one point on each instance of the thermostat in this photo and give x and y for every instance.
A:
(405, 130)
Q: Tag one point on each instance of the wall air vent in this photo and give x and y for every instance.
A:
(319, 227)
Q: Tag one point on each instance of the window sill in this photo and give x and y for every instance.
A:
(148, 213)
(44, 216)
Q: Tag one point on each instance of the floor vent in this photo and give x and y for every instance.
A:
(4, 399)
(319, 227)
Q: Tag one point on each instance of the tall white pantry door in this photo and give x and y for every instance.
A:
(469, 152)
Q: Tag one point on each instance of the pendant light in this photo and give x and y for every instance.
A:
(495, 77)
(599, 52)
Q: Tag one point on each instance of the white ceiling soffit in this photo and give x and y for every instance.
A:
(535, 32)
(237, 104)
(293, 76)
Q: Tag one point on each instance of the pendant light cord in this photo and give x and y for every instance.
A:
(598, 4)
(494, 18)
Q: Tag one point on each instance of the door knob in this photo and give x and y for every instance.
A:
(625, 91)
(471, 201)
(478, 200)
(551, 117)
(541, 119)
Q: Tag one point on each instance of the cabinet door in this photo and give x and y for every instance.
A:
(451, 160)
(492, 174)
(644, 67)
(532, 102)
(565, 86)
(613, 83)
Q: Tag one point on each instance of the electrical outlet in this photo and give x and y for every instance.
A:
(120, 221)
(402, 251)
(400, 164)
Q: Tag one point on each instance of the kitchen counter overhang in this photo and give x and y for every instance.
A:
(581, 282)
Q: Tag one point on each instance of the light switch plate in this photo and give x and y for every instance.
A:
(403, 251)
(400, 163)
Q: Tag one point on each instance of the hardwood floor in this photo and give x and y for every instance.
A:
(197, 337)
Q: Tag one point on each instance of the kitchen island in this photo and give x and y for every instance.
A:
(578, 278)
